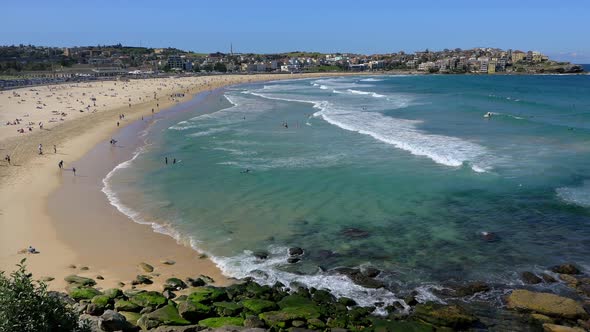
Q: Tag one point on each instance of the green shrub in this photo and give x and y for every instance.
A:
(26, 305)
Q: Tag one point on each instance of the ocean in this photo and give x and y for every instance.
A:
(400, 173)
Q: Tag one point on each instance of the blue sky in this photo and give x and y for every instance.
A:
(557, 28)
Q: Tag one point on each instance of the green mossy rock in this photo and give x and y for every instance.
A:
(381, 325)
(149, 299)
(206, 294)
(227, 309)
(315, 324)
(81, 281)
(295, 301)
(123, 305)
(257, 306)
(546, 304)
(323, 297)
(452, 316)
(285, 316)
(131, 317)
(194, 311)
(132, 292)
(217, 322)
(167, 315)
(337, 322)
(101, 301)
(113, 293)
(82, 292)
(255, 290)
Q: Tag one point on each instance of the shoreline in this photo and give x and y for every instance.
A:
(27, 184)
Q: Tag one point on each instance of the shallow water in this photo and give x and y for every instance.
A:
(402, 173)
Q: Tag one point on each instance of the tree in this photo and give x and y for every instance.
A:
(26, 305)
(220, 67)
(208, 67)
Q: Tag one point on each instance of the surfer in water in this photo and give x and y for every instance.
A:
(245, 171)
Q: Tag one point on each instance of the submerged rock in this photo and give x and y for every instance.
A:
(355, 233)
(566, 269)
(293, 260)
(530, 278)
(546, 304)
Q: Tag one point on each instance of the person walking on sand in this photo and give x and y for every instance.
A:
(74, 170)
(40, 148)
(60, 164)
(54, 148)
(7, 158)
(117, 123)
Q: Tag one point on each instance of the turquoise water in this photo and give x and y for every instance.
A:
(402, 173)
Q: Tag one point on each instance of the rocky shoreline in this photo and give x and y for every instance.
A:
(193, 304)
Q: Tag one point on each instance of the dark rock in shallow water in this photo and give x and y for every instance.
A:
(355, 233)
(295, 251)
(547, 278)
(530, 278)
(472, 288)
(356, 276)
(325, 254)
(489, 236)
(370, 272)
(566, 269)
(260, 254)
(411, 299)
(293, 260)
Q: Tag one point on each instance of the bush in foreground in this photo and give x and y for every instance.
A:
(26, 305)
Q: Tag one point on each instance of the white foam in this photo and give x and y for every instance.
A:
(358, 92)
(208, 132)
(370, 79)
(576, 195)
(401, 133)
(246, 265)
(264, 164)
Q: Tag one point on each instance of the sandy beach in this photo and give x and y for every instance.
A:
(105, 242)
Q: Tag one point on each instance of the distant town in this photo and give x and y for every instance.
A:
(28, 62)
